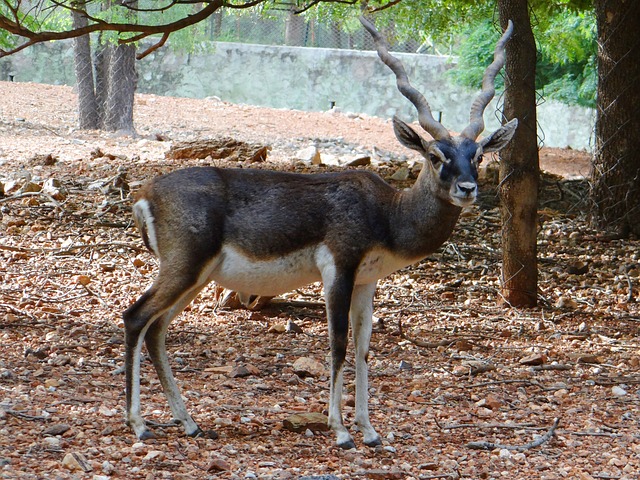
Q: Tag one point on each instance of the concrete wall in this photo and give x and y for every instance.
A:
(310, 79)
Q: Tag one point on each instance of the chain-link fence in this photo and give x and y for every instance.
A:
(287, 28)
(615, 189)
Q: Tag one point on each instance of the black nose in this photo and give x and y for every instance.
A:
(467, 187)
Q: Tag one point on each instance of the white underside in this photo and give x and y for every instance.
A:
(236, 271)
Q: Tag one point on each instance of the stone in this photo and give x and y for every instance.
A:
(359, 161)
(401, 174)
(278, 328)
(380, 474)
(240, 372)
(566, 302)
(54, 189)
(154, 455)
(218, 465)
(308, 367)
(75, 461)
(618, 391)
(309, 155)
(293, 327)
(319, 477)
(57, 429)
(300, 422)
(535, 359)
(108, 467)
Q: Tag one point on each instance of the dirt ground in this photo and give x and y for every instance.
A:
(449, 364)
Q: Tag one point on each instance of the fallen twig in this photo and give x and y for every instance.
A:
(94, 294)
(501, 382)
(23, 415)
(32, 194)
(596, 434)
(64, 250)
(421, 343)
(453, 426)
(551, 366)
(519, 448)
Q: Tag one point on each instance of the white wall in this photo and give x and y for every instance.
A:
(310, 79)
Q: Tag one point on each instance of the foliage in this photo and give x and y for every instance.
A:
(565, 30)
(566, 69)
(567, 66)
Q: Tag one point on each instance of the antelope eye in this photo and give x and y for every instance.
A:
(434, 158)
(479, 159)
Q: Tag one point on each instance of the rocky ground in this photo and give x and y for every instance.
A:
(550, 392)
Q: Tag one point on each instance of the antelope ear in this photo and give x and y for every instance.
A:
(407, 136)
(498, 139)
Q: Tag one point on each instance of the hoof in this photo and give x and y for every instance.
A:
(147, 435)
(348, 445)
(210, 434)
(373, 443)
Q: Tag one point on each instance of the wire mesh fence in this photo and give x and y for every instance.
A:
(287, 28)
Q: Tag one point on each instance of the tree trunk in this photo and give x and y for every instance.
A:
(122, 78)
(101, 65)
(294, 29)
(88, 117)
(519, 165)
(615, 178)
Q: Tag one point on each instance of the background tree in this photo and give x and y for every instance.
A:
(615, 179)
(88, 113)
(519, 163)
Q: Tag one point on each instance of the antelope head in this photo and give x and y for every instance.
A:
(452, 160)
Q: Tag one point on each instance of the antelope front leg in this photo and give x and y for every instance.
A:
(361, 323)
(338, 291)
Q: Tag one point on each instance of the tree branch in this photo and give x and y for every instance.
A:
(16, 26)
(153, 47)
(384, 7)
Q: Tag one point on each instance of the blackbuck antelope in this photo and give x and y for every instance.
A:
(266, 233)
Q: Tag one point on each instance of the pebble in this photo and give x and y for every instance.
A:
(405, 365)
(618, 391)
(154, 455)
(57, 429)
(319, 477)
(107, 467)
(52, 442)
(305, 366)
(504, 453)
(76, 462)
(218, 465)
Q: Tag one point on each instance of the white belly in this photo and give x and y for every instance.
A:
(238, 272)
(234, 270)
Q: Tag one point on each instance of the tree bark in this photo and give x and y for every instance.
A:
(122, 81)
(615, 178)
(88, 117)
(101, 65)
(519, 162)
